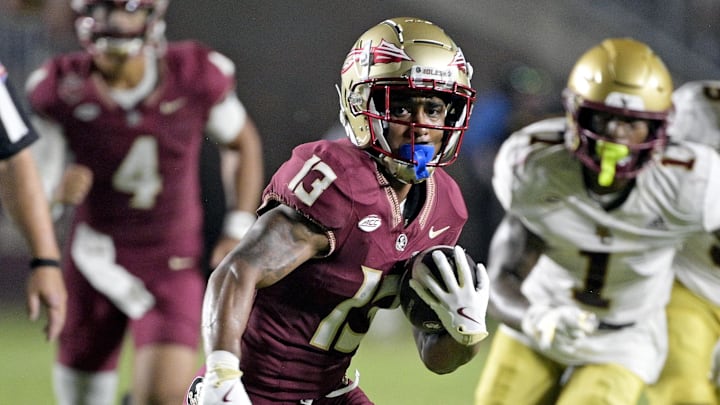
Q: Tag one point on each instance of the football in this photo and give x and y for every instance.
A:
(415, 309)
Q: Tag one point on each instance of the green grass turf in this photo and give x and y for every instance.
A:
(390, 369)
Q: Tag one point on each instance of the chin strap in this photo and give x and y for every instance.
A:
(421, 155)
(610, 153)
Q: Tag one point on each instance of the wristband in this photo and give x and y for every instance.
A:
(224, 364)
(237, 223)
(222, 358)
(42, 262)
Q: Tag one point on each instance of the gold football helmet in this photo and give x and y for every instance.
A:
(397, 55)
(623, 77)
(97, 33)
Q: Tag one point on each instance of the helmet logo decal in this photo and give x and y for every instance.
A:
(386, 52)
(86, 112)
(625, 101)
(459, 62)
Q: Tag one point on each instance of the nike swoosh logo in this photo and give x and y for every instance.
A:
(434, 233)
(169, 107)
(227, 398)
(461, 312)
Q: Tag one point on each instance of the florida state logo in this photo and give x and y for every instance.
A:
(460, 63)
(368, 55)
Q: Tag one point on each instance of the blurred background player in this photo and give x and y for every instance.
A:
(23, 198)
(290, 305)
(694, 309)
(596, 207)
(133, 110)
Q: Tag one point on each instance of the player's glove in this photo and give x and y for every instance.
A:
(558, 327)
(463, 306)
(222, 384)
(715, 369)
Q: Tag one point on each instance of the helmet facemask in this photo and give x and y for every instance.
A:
(399, 57)
(609, 157)
(413, 163)
(99, 32)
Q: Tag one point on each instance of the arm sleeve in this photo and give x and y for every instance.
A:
(50, 153)
(227, 119)
(15, 133)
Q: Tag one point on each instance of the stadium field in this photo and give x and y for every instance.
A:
(390, 369)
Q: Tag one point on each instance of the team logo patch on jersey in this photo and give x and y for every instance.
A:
(87, 112)
(370, 223)
(401, 242)
(70, 89)
(658, 223)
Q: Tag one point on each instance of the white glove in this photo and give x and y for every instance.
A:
(558, 327)
(715, 368)
(462, 307)
(222, 384)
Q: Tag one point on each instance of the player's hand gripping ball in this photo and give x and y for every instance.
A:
(443, 289)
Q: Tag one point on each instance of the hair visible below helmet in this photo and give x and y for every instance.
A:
(403, 54)
(620, 76)
(97, 36)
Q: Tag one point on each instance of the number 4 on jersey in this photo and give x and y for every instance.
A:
(138, 174)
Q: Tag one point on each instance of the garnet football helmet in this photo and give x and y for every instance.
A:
(99, 34)
(621, 77)
(403, 54)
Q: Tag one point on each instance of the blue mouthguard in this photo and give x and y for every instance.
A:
(421, 155)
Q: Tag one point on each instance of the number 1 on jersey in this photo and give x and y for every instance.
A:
(591, 293)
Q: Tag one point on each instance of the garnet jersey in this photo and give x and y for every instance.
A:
(615, 262)
(304, 329)
(15, 135)
(144, 159)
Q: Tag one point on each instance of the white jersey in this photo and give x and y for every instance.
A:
(615, 263)
(697, 110)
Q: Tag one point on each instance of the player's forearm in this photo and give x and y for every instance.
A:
(507, 305)
(249, 174)
(283, 241)
(507, 302)
(514, 251)
(23, 197)
(226, 309)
